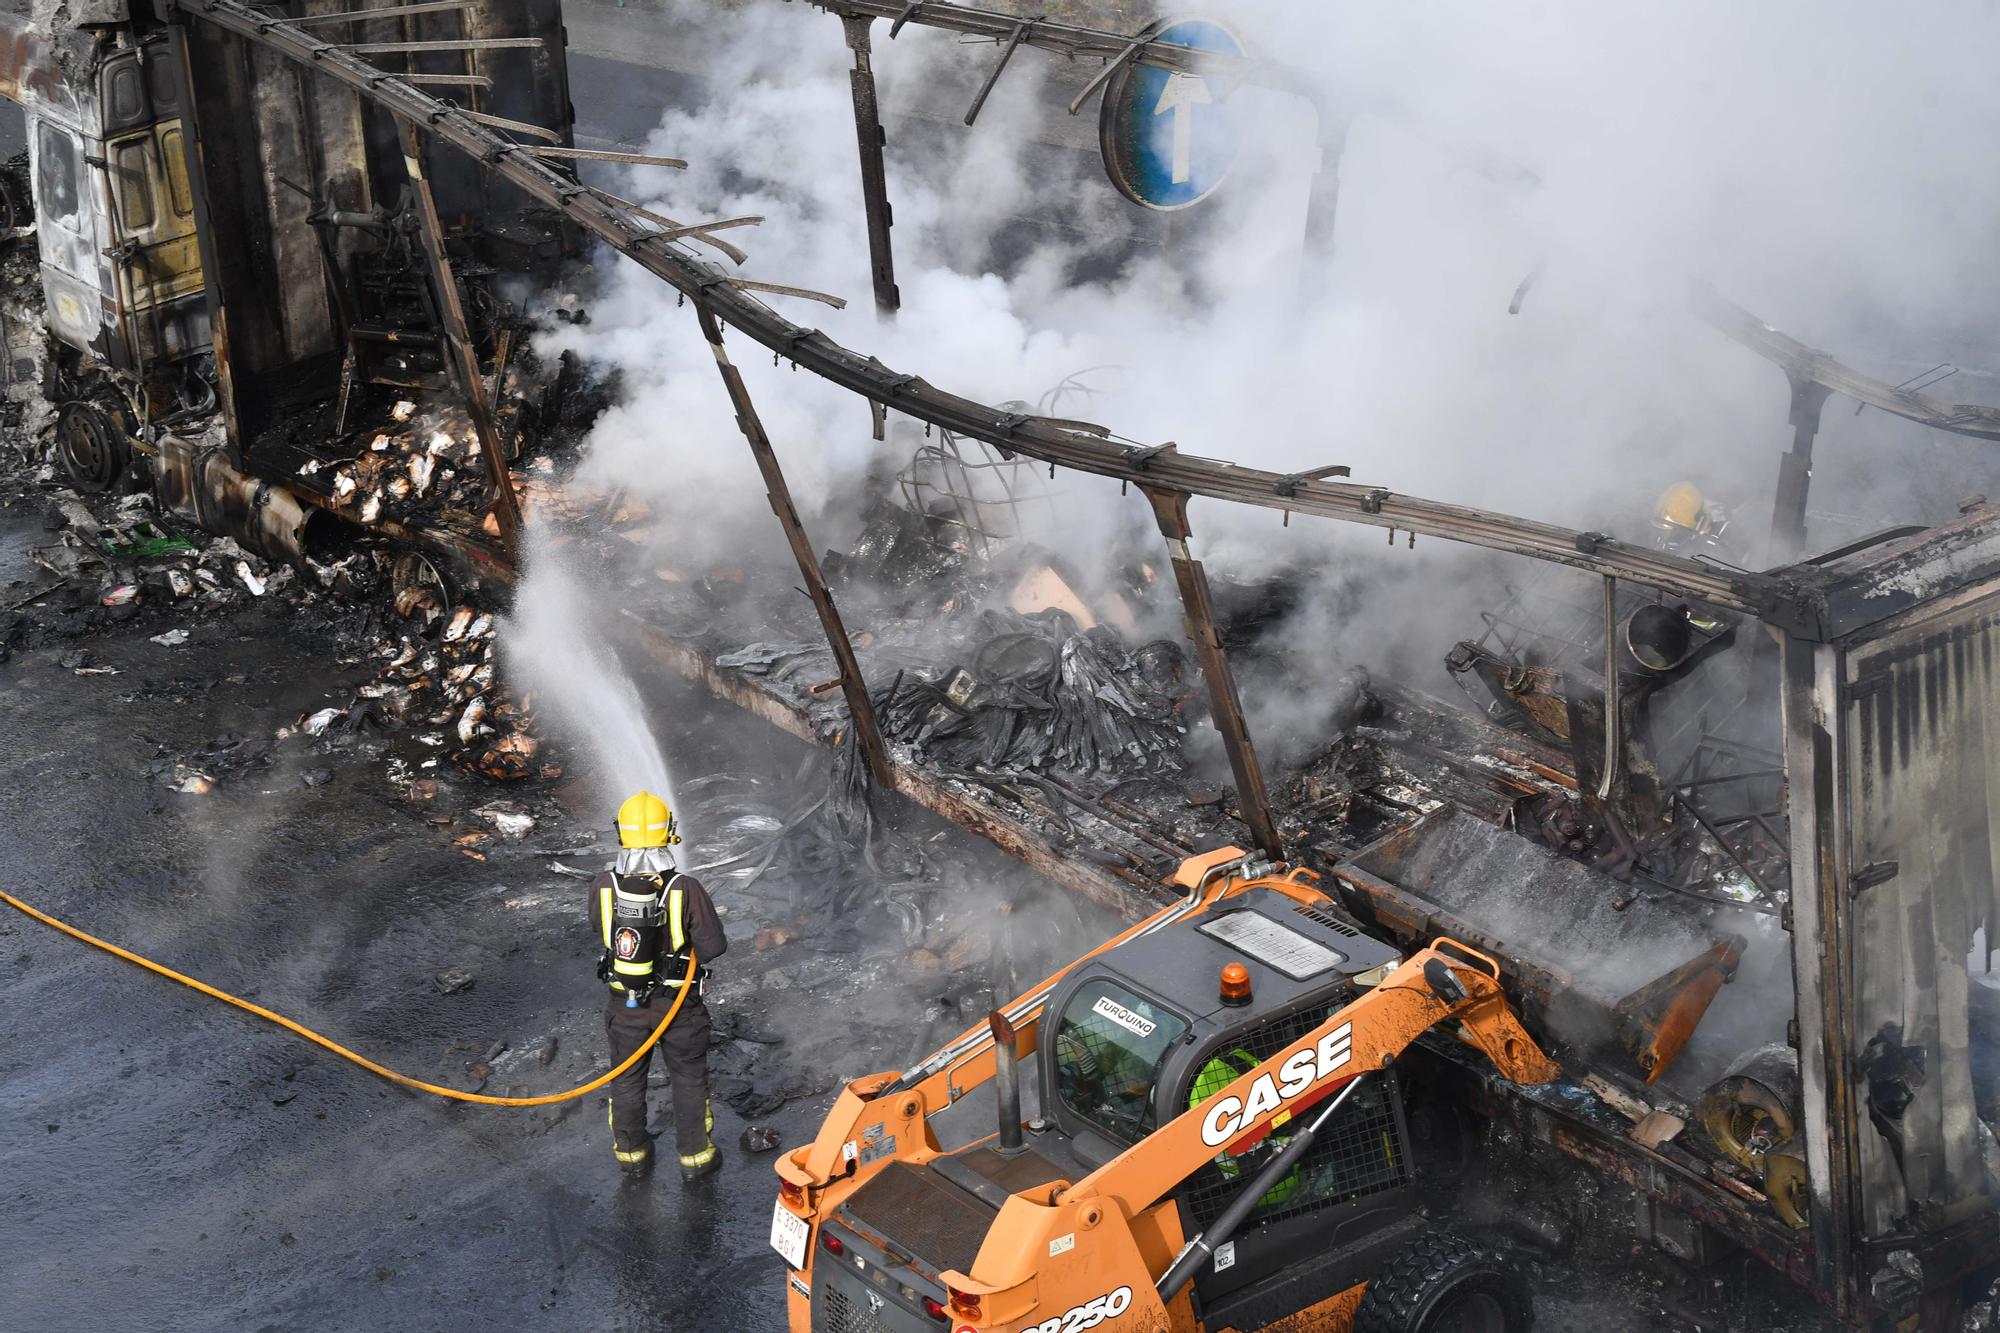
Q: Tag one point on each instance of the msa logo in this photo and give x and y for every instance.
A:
(1123, 1017)
(1227, 1117)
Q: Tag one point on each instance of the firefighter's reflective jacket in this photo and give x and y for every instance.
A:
(648, 923)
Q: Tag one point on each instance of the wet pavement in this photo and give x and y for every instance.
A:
(207, 1170)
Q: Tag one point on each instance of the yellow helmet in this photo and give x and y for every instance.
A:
(645, 821)
(1682, 507)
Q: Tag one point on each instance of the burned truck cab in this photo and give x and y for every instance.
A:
(127, 318)
(1151, 1029)
(120, 266)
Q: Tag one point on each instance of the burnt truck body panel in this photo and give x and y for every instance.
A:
(310, 193)
(120, 265)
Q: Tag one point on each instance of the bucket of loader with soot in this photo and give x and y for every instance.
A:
(1220, 1132)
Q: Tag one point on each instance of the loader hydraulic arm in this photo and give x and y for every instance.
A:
(1364, 1036)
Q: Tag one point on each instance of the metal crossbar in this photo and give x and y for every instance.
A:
(1769, 595)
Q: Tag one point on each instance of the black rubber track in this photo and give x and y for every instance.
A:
(1420, 1282)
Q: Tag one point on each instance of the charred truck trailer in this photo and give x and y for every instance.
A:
(266, 229)
(302, 254)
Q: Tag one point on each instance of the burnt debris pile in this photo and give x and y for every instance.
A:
(1040, 692)
(435, 672)
(873, 911)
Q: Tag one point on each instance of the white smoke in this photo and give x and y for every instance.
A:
(1809, 159)
(1816, 162)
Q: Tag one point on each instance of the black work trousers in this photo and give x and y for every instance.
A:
(684, 1052)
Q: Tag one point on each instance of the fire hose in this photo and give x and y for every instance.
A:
(418, 1085)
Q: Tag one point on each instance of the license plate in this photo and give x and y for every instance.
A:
(788, 1235)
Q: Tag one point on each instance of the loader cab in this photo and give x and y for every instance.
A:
(1141, 1034)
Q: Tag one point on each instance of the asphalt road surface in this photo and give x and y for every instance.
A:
(172, 1163)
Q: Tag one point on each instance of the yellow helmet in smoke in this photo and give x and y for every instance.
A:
(1682, 507)
(645, 821)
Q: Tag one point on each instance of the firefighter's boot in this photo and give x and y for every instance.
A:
(634, 1157)
(704, 1163)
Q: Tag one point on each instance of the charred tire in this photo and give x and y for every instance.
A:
(1443, 1283)
(92, 447)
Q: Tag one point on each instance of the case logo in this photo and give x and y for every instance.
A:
(1228, 1117)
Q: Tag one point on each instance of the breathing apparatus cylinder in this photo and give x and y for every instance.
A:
(637, 913)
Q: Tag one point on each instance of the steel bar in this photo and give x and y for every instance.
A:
(870, 139)
(606, 155)
(1795, 358)
(513, 126)
(464, 360)
(1007, 51)
(452, 80)
(860, 708)
(674, 231)
(1134, 47)
(1774, 597)
(1068, 39)
(1224, 706)
(368, 15)
(444, 45)
(780, 289)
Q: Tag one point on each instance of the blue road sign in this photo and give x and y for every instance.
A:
(1167, 141)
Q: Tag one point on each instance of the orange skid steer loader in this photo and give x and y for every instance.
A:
(1220, 1145)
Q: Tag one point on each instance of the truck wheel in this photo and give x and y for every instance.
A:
(15, 208)
(93, 449)
(1443, 1283)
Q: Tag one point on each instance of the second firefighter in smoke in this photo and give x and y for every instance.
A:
(652, 919)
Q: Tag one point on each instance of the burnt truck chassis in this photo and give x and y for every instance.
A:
(1884, 649)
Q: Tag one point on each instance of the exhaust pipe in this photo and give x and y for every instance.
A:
(1006, 1082)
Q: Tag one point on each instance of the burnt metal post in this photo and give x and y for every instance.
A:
(1788, 520)
(1822, 968)
(1611, 765)
(464, 360)
(1225, 707)
(860, 708)
(870, 137)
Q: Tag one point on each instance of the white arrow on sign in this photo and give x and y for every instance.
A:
(1183, 93)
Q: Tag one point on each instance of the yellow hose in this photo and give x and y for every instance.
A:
(419, 1085)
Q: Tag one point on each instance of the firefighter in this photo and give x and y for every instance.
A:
(1687, 521)
(649, 916)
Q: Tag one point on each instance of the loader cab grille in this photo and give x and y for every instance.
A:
(1362, 1151)
(1321, 917)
